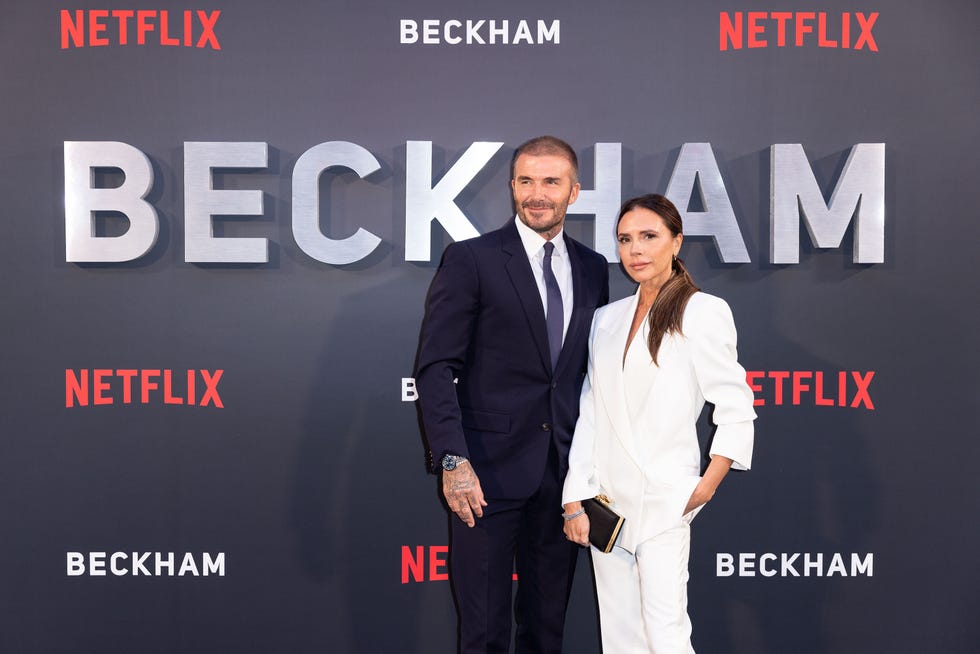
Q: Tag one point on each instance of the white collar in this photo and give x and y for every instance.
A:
(534, 242)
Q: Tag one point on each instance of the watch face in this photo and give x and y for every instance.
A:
(449, 462)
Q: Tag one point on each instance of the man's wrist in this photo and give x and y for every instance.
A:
(450, 462)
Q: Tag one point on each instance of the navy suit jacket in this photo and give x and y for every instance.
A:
(485, 385)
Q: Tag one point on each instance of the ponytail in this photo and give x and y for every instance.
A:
(667, 312)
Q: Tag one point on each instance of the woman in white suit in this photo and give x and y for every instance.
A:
(654, 359)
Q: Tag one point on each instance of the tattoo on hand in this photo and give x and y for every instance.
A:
(461, 485)
(462, 481)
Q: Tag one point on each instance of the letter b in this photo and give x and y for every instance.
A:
(82, 201)
(76, 564)
(409, 393)
(409, 31)
(724, 565)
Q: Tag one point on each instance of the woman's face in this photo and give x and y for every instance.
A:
(646, 247)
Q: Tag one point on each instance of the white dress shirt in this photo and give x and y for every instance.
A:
(560, 265)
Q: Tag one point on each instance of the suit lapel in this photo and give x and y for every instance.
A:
(609, 367)
(576, 325)
(519, 270)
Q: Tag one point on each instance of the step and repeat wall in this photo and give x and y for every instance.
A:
(220, 221)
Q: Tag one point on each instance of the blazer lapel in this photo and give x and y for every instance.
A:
(609, 368)
(577, 324)
(519, 270)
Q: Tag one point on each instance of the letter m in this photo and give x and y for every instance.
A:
(859, 194)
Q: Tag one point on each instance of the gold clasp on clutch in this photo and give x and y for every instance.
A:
(602, 497)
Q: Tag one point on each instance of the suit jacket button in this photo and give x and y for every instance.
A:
(554, 385)
(545, 426)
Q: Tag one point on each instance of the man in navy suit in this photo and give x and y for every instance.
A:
(502, 358)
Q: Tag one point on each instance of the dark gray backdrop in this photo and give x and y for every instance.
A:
(311, 479)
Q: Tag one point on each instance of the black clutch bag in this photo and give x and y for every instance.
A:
(604, 523)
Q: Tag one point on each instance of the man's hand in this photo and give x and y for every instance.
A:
(462, 491)
(576, 529)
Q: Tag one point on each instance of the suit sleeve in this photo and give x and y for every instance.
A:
(451, 311)
(709, 326)
(581, 482)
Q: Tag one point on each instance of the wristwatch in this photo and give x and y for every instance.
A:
(450, 461)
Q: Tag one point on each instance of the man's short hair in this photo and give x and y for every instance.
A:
(542, 146)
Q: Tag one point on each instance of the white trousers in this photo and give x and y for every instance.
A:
(643, 596)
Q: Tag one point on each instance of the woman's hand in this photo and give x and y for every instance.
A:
(577, 529)
(706, 488)
(699, 497)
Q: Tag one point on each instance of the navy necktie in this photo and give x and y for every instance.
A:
(555, 317)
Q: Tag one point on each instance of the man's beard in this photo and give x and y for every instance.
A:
(558, 214)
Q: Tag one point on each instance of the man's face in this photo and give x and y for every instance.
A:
(543, 188)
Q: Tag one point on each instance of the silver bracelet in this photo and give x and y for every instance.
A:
(572, 516)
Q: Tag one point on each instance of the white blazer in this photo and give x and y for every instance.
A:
(646, 457)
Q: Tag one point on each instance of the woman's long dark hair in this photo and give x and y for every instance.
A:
(667, 312)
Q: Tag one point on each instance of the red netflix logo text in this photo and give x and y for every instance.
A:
(811, 387)
(147, 386)
(421, 563)
(417, 565)
(755, 29)
(101, 27)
